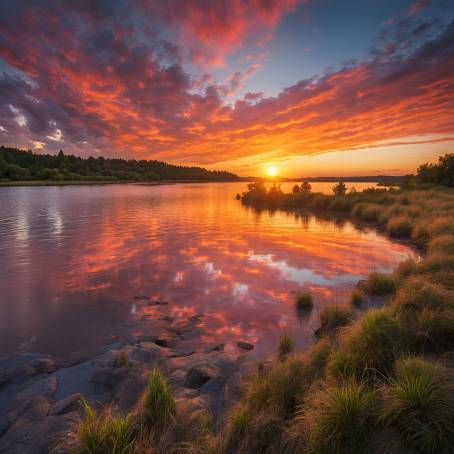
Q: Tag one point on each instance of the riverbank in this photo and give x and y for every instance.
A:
(381, 382)
(42, 398)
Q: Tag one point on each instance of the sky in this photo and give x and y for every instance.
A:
(311, 87)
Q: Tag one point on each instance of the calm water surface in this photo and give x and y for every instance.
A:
(73, 258)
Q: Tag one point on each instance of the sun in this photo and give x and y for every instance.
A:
(271, 171)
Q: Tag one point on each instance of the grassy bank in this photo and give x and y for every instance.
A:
(379, 382)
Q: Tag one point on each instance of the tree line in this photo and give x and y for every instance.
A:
(440, 173)
(22, 165)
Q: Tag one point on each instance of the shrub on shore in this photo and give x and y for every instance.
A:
(369, 212)
(334, 317)
(285, 346)
(443, 244)
(375, 341)
(400, 227)
(337, 418)
(304, 301)
(381, 284)
(419, 401)
(104, 432)
(158, 407)
(357, 297)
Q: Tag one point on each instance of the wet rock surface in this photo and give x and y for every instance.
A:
(40, 396)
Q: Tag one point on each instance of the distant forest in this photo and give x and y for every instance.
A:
(21, 165)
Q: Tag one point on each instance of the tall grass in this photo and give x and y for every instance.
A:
(349, 392)
(381, 284)
(304, 301)
(375, 341)
(401, 227)
(338, 418)
(285, 346)
(357, 297)
(334, 317)
(106, 432)
(419, 401)
(158, 407)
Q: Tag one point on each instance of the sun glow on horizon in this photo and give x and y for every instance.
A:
(271, 171)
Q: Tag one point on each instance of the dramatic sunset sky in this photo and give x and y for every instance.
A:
(313, 87)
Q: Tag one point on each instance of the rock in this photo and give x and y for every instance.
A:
(149, 355)
(132, 340)
(43, 387)
(108, 377)
(45, 366)
(141, 297)
(181, 353)
(245, 345)
(66, 405)
(196, 318)
(30, 436)
(214, 348)
(130, 389)
(176, 378)
(166, 318)
(20, 367)
(196, 378)
(73, 359)
(213, 386)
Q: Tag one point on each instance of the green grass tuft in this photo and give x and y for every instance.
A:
(338, 418)
(304, 301)
(105, 432)
(443, 244)
(333, 317)
(400, 227)
(357, 297)
(381, 284)
(285, 346)
(419, 401)
(375, 341)
(158, 404)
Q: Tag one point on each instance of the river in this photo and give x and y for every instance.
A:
(73, 258)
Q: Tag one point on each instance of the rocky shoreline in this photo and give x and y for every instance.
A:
(40, 395)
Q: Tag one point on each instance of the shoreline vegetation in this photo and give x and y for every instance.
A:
(377, 380)
(25, 166)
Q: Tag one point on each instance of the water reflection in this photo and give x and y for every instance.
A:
(74, 257)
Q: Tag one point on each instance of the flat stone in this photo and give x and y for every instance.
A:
(74, 359)
(66, 405)
(43, 387)
(181, 353)
(108, 377)
(214, 348)
(29, 436)
(145, 355)
(245, 345)
(45, 366)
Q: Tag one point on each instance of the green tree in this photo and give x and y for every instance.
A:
(305, 187)
(339, 188)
